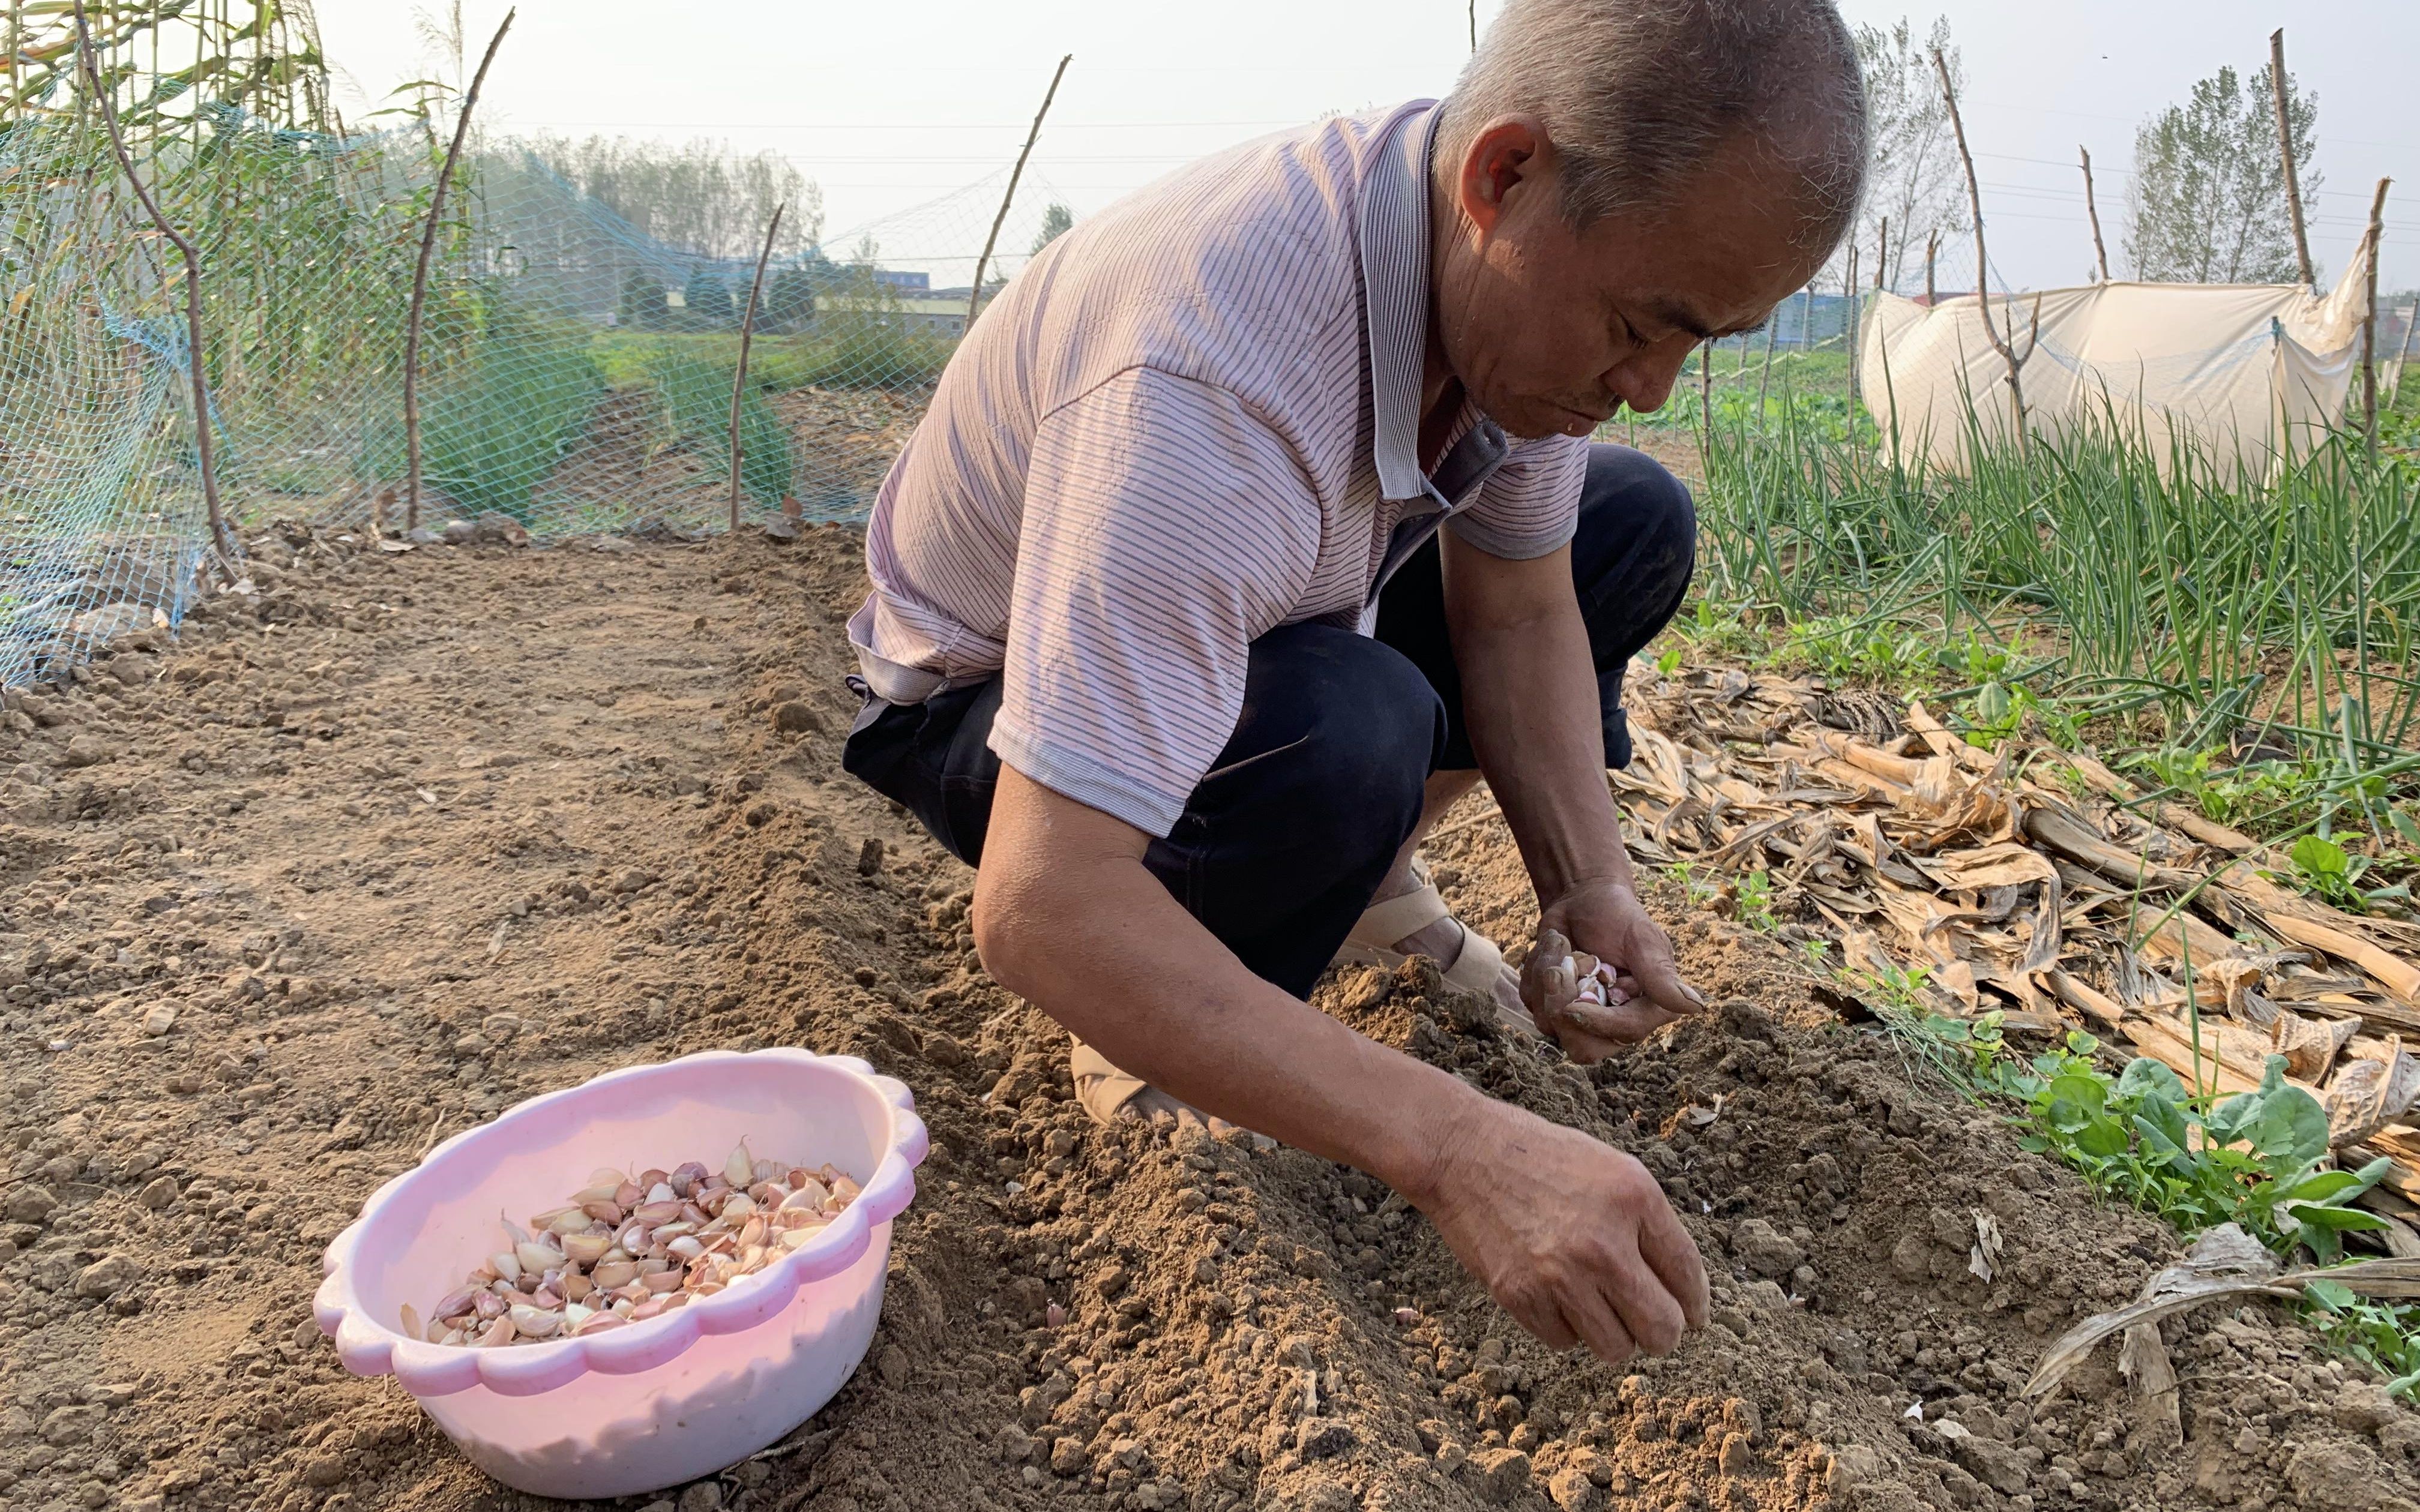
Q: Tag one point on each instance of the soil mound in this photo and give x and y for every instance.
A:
(403, 839)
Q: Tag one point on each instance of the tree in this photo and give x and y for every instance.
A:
(709, 298)
(789, 300)
(1055, 221)
(702, 197)
(1911, 177)
(2208, 199)
(641, 303)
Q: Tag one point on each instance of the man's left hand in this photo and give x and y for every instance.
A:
(1607, 920)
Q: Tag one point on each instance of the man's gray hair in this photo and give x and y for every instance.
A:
(1637, 95)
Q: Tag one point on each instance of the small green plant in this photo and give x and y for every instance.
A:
(1756, 900)
(1668, 662)
(2380, 1335)
(1714, 628)
(2256, 1159)
(1998, 711)
(2326, 868)
(1861, 650)
(1693, 887)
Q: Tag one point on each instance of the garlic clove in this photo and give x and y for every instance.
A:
(586, 1249)
(535, 1257)
(534, 1323)
(739, 1168)
(614, 1274)
(506, 1265)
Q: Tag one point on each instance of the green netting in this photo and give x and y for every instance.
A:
(576, 373)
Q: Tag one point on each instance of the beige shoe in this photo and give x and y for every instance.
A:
(1109, 1094)
(1475, 969)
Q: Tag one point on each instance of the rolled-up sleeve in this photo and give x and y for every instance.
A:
(1531, 504)
(1164, 528)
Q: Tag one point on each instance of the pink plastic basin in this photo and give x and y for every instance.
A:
(657, 1403)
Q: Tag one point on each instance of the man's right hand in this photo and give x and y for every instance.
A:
(1574, 1239)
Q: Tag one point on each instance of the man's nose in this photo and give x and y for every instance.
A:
(1643, 380)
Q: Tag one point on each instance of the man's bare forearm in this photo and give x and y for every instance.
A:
(1067, 917)
(1529, 698)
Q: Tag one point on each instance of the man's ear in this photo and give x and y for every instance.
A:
(1511, 156)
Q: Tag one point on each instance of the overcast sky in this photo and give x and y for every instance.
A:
(888, 106)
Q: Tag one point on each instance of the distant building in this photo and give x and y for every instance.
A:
(932, 316)
(899, 281)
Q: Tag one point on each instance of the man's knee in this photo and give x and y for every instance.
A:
(1351, 723)
(1649, 511)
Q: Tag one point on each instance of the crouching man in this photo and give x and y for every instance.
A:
(1257, 518)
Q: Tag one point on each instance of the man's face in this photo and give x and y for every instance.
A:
(1552, 330)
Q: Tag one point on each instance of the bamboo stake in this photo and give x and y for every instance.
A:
(1882, 251)
(419, 283)
(197, 370)
(2286, 154)
(974, 295)
(1932, 245)
(2369, 322)
(2099, 251)
(1983, 263)
(1474, 26)
(739, 376)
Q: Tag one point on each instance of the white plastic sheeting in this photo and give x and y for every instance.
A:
(2259, 371)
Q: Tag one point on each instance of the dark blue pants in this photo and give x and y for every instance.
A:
(1292, 831)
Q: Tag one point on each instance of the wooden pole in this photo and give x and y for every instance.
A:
(1882, 251)
(740, 375)
(2286, 154)
(1474, 26)
(1983, 263)
(2369, 322)
(974, 296)
(2403, 348)
(1932, 245)
(419, 283)
(2099, 251)
(1849, 322)
(1705, 401)
(196, 368)
(1764, 380)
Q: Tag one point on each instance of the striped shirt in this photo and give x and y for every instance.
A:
(1189, 421)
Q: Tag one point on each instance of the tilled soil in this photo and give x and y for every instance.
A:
(402, 840)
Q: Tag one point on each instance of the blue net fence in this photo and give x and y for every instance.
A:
(576, 372)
